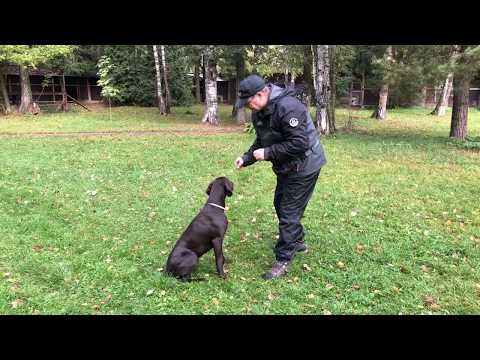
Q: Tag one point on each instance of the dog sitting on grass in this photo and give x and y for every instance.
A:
(206, 231)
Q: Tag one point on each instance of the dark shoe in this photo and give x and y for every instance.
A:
(301, 247)
(279, 269)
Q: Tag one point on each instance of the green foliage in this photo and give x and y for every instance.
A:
(272, 59)
(34, 55)
(106, 72)
(467, 61)
(129, 71)
(84, 60)
(181, 84)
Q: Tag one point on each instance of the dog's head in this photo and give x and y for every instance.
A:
(228, 185)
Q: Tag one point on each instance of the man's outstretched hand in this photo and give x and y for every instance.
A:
(238, 163)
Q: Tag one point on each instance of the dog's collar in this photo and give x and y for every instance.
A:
(221, 207)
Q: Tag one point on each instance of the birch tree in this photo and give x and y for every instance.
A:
(442, 103)
(161, 101)
(210, 77)
(380, 112)
(323, 96)
(168, 98)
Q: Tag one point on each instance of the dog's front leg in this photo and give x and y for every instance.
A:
(219, 258)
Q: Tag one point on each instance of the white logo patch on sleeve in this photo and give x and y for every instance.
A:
(293, 122)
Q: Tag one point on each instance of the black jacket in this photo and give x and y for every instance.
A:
(286, 131)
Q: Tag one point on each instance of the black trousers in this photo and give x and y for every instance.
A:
(291, 198)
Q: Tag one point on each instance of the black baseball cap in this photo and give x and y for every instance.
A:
(248, 87)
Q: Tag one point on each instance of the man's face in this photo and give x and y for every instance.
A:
(258, 101)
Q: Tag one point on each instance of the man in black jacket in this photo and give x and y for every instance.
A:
(286, 136)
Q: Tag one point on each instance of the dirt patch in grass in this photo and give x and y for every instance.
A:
(195, 130)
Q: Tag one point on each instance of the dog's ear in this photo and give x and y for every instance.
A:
(209, 188)
(228, 187)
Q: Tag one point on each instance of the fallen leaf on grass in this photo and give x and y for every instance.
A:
(306, 267)
(37, 248)
(425, 268)
(329, 286)
(359, 248)
(430, 302)
(355, 286)
(16, 303)
(150, 292)
(340, 264)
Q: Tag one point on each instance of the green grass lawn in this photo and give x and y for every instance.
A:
(86, 223)
(122, 119)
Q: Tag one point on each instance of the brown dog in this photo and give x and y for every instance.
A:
(206, 231)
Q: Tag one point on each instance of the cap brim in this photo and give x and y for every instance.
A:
(240, 103)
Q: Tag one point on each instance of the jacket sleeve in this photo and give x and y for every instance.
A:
(293, 123)
(248, 158)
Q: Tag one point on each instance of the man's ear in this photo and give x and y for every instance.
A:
(228, 187)
(209, 188)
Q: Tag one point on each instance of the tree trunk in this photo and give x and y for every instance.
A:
(380, 112)
(322, 89)
(6, 100)
(350, 94)
(168, 98)
(64, 104)
(211, 102)
(307, 75)
(198, 96)
(362, 94)
(239, 114)
(161, 102)
(333, 88)
(423, 101)
(458, 127)
(26, 90)
(442, 102)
